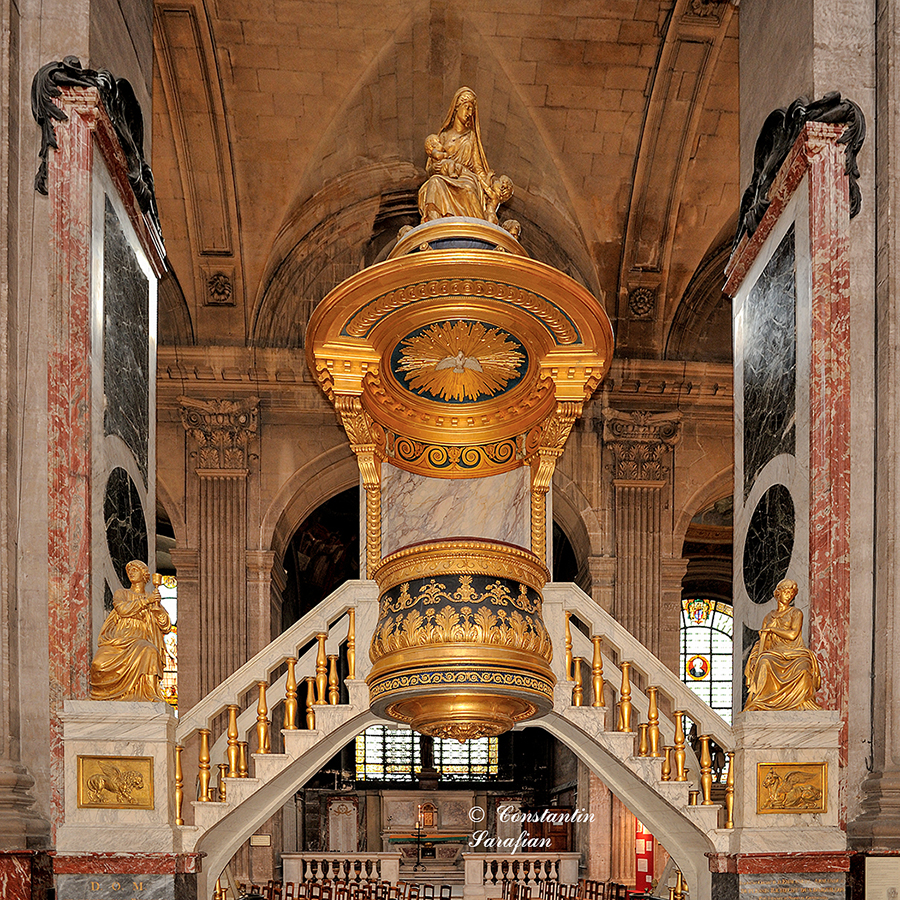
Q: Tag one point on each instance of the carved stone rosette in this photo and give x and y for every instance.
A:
(457, 368)
(463, 616)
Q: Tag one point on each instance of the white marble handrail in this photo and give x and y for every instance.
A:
(525, 867)
(323, 618)
(349, 867)
(630, 649)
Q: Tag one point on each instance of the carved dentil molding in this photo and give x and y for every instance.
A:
(222, 429)
(639, 442)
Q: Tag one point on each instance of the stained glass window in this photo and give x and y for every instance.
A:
(388, 754)
(707, 627)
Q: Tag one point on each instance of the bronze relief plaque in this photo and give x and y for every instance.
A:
(791, 787)
(115, 782)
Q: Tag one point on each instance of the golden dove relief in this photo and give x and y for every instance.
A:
(460, 361)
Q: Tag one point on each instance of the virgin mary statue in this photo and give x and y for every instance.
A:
(461, 182)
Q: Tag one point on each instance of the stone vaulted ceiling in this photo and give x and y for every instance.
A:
(288, 148)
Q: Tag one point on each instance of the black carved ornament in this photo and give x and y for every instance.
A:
(124, 112)
(778, 134)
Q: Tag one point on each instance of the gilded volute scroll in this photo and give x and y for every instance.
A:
(781, 672)
(131, 655)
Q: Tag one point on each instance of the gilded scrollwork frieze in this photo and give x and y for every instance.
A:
(434, 592)
(550, 315)
(639, 442)
(222, 429)
(465, 625)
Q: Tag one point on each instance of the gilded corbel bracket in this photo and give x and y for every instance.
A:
(554, 434)
(360, 431)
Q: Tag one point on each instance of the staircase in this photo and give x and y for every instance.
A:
(220, 827)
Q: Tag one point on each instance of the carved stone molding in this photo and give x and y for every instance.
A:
(223, 430)
(639, 441)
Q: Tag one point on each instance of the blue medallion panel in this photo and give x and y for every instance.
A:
(770, 363)
(459, 362)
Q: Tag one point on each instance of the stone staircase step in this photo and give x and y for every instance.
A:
(207, 814)
(705, 817)
(296, 743)
(267, 765)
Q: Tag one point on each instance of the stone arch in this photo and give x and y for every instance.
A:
(372, 152)
(680, 836)
(312, 484)
(173, 511)
(574, 514)
(720, 485)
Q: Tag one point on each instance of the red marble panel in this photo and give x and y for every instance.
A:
(69, 412)
(15, 876)
(774, 863)
(127, 863)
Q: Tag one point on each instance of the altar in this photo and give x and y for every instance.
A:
(429, 829)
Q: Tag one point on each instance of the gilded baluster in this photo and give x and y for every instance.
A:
(219, 892)
(653, 722)
(578, 690)
(203, 775)
(706, 778)
(321, 672)
(232, 752)
(220, 784)
(243, 759)
(680, 886)
(568, 647)
(625, 707)
(262, 720)
(692, 797)
(643, 744)
(310, 703)
(729, 792)
(680, 753)
(597, 672)
(179, 786)
(334, 692)
(666, 771)
(351, 644)
(290, 697)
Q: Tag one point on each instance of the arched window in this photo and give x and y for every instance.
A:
(390, 754)
(707, 629)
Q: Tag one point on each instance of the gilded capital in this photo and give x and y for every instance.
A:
(639, 442)
(222, 428)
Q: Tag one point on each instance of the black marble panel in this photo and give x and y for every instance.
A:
(795, 885)
(769, 543)
(770, 363)
(107, 597)
(725, 886)
(126, 529)
(126, 343)
(105, 887)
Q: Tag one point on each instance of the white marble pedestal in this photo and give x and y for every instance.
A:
(119, 730)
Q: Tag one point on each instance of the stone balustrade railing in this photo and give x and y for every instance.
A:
(525, 868)
(619, 645)
(349, 867)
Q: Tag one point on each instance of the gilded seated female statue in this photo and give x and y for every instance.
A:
(781, 672)
(461, 182)
(130, 654)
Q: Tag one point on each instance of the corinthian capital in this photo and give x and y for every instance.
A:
(221, 428)
(639, 441)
